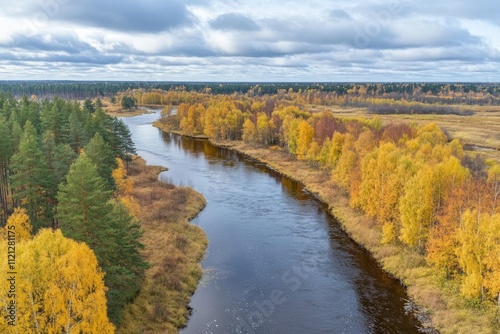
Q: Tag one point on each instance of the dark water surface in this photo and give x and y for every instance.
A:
(276, 261)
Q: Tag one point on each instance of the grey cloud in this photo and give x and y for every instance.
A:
(369, 33)
(67, 44)
(126, 15)
(463, 54)
(326, 35)
(94, 59)
(234, 21)
(431, 34)
(486, 10)
(417, 41)
(86, 59)
(340, 14)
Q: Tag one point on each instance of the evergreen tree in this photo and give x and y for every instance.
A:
(84, 206)
(86, 213)
(89, 106)
(29, 171)
(99, 152)
(55, 118)
(98, 103)
(126, 266)
(128, 103)
(77, 134)
(121, 140)
(17, 133)
(58, 160)
(5, 155)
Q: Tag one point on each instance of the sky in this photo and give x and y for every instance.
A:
(257, 41)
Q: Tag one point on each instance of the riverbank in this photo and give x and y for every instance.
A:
(127, 113)
(173, 248)
(445, 309)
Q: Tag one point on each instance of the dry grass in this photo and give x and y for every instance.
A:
(174, 248)
(119, 112)
(481, 129)
(116, 109)
(447, 311)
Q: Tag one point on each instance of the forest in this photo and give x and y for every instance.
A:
(308, 93)
(66, 212)
(425, 193)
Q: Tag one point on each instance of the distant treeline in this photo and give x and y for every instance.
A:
(401, 107)
(443, 93)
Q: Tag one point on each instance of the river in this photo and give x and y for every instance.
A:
(277, 262)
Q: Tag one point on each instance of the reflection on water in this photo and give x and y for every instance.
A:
(276, 261)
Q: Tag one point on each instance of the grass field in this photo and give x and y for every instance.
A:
(481, 129)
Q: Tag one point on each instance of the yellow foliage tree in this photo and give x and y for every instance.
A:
(416, 208)
(432, 134)
(325, 151)
(494, 183)
(304, 140)
(291, 133)
(124, 184)
(447, 175)
(263, 129)
(477, 251)
(59, 288)
(313, 152)
(19, 223)
(335, 149)
(441, 245)
(381, 187)
(249, 132)
(211, 122)
(492, 259)
(366, 143)
(346, 162)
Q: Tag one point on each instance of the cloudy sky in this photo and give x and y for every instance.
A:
(236, 40)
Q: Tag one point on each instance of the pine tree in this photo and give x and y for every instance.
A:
(58, 159)
(86, 213)
(99, 152)
(121, 142)
(84, 206)
(29, 170)
(126, 266)
(5, 155)
(55, 118)
(77, 134)
(17, 133)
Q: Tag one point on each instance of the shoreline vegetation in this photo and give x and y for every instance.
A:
(439, 304)
(173, 249)
(128, 113)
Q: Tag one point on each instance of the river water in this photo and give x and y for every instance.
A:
(277, 262)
